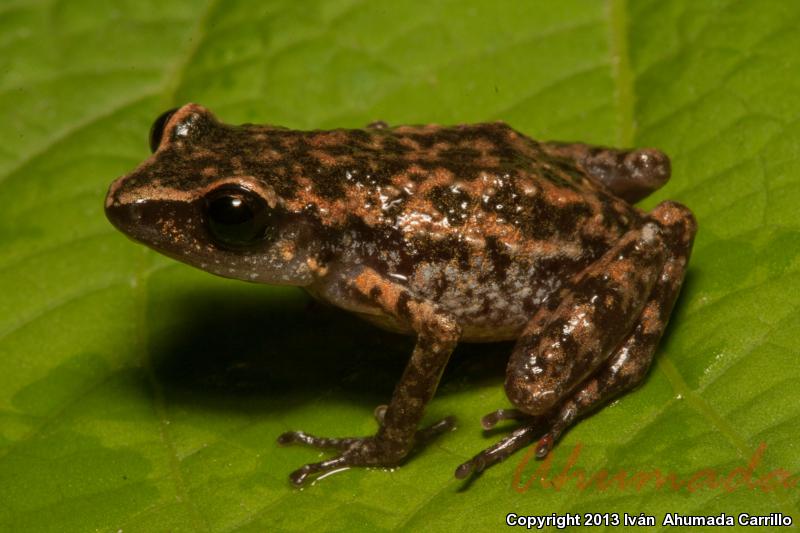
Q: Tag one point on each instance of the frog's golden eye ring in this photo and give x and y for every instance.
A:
(157, 129)
(237, 217)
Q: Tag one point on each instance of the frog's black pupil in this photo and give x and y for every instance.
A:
(237, 217)
(157, 129)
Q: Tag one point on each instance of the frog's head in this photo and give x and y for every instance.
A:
(195, 201)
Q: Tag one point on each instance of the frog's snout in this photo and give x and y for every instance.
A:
(124, 217)
(131, 219)
(155, 223)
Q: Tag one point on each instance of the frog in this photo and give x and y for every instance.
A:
(464, 233)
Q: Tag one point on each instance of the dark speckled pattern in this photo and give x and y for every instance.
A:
(470, 232)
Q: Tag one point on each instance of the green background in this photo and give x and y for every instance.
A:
(137, 394)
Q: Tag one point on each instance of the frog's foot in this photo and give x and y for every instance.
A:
(519, 438)
(357, 451)
(342, 443)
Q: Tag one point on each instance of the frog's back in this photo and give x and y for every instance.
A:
(478, 218)
(473, 181)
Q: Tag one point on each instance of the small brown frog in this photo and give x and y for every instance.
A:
(450, 233)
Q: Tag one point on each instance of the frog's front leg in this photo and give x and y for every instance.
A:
(437, 335)
(600, 339)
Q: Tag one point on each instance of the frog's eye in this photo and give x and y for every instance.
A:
(237, 217)
(157, 129)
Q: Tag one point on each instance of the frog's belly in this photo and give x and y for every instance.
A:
(487, 310)
(490, 306)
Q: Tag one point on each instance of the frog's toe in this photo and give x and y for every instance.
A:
(429, 433)
(492, 419)
(500, 451)
(300, 476)
(545, 444)
(301, 437)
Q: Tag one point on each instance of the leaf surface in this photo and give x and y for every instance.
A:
(137, 394)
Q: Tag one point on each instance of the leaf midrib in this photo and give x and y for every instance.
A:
(622, 74)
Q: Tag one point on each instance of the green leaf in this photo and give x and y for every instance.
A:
(137, 394)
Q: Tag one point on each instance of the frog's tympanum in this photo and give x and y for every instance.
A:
(469, 233)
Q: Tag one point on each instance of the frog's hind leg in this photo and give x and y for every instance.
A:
(629, 365)
(629, 174)
(626, 367)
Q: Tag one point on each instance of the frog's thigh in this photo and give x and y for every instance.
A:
(630, 174)
(595, 313)
(629, 365)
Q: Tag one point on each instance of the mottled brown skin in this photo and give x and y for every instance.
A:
(470, 232)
